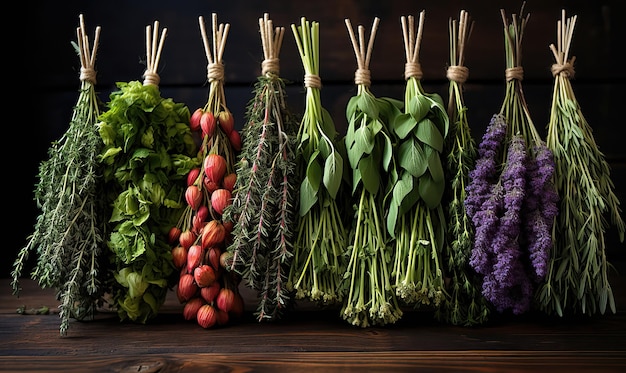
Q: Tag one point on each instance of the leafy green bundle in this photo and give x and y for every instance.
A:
(466, 305)
(577, 281)
(68, 234)
(416, 216)
(371, 298)
(265, 195)
(148, 151)
(318, 263)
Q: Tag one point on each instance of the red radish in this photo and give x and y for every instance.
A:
(193, 196)
(209, 293)
(207, 316)
(204, 275)
(194, 257)
(187, 238)
(192, 176)
(179, 257)
(220, 199)
(229, 180)
(213, 233)
(190, 311)
(207, 123)
(173, 235)
(225, 299)
(187, 287)
(215, 167)
(222, 317)
(235, 140)
(226, 121)
(194, 121)
(213, 257)
(209, 185)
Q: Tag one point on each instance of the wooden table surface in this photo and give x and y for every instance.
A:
(308, 339)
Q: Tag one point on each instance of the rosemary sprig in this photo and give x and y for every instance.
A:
(320, 243)
(466, 305)
(265, 195)
(577, 280)
(68, 234)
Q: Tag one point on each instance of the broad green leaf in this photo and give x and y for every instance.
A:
(308, 196)
(428, 133)
(402, 188)
(387, 153)
(364, 139)
(403, 124)
(367, 103)
(369, 174)
(314, 171)
(419, 106)
(351, 108)
(411, 157)
(430, 191)
(333, 173)
(434, 164)
(327, 124)
(392, 219)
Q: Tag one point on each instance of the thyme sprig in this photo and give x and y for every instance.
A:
(265, 195)
(578, 274)
(68, 234)
(371, 298)
(320, 243)
(466, 305)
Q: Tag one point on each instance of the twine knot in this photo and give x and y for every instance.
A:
(215, 71)
(457, 73)
(566, 70)
(270, 65)
(362, 76)
(88, 74)
(312, 81)
(150, 77)
(413, 70)
(516, 73)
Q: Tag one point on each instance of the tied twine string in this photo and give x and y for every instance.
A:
(459, 35)
(87, 58)
(153, 54)
(363, 54)
(215, 66)
(271, 39)
(514, 73)
(565, 30)
(412, 42)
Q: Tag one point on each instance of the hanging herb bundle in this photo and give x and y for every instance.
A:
(265, 195)
(416, 215)
(577, 281)
(148, 150)
(206, 287)
(511, 196)
(67, 236)
(466, 305)
(318, 263)
(371, 298)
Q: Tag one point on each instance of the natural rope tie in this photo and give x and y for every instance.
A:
(457, 74)
(516, 73)
(412, 70)
(150, 77)
(362, 76)
(270, 65)
(566, 70)
(215, 72)
(312, 81)
(88, 74)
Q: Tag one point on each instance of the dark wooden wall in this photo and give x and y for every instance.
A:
(44, 67)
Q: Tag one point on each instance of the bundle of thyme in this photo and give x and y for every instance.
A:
(148, 151)
(318, 263)
(68, 234)
(371, 298)
(511, 196)
(577, 281)
(265, 194)
(466, 305)
(416, 215)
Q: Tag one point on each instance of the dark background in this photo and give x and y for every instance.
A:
(42, 73)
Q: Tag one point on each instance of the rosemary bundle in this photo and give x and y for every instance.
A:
(318, 263)
(265, 194)
(577, 281)
(511, 196)
(416, 215)
(68, 234)
(466, 305)
(148, 151)
(371, 298)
